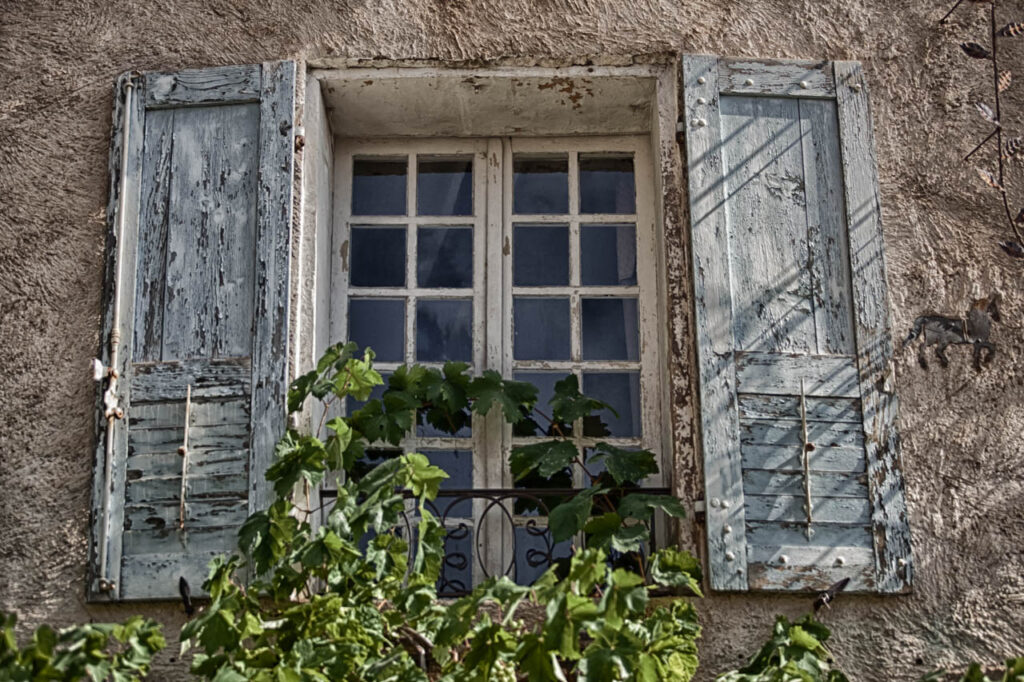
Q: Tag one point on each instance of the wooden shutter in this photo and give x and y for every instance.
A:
(792, 329)
(203, 296)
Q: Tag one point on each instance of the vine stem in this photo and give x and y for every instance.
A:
(999, 120)
(950, 12)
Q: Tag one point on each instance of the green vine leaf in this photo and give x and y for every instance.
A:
(547, 457)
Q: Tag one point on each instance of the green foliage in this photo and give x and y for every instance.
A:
(1014, 672)
(795, 653)
(97, 651)
(356, 599)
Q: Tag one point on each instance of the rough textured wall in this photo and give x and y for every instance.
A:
(964, 461)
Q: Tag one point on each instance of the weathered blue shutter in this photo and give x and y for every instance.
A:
(203, 308)
(802, 480)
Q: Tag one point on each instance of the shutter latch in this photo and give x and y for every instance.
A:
(808, 447)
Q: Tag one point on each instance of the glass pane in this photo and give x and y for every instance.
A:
(378, 186)
(540, 184)
(535, 553)
(444, 186)
(621, 390)
(444, 257)
(608, 254)
(540, 255)
(594, 467)
(378, 257)
(444, 331)
(540, 424)
(540, 328)
(610, 329)
(606, 185)
(380, 324)
(458, 464)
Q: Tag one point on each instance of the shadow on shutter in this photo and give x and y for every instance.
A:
(800, 448)
(203, 301)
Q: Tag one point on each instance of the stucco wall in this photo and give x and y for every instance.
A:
(964, 461)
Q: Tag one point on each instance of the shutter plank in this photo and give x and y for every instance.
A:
(783, 407)
(201, 463)
(763, 169)
(152, 258)
(198, 514)
(273, 253)
(823, 484)
(791, 458)
(714, 323)
(825, 535)
(780, 374)
(219, 378)
(168, 488)
(155, 576)
(826, 228)
(891, 534)
(218, 85)
(791, 508)
(778, 78)
(821, 434)
(172, 414)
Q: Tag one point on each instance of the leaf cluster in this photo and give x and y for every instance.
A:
(121, 652)
(1014, 672)
(795, 652)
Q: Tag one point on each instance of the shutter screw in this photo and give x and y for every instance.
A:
(856, 87)
(901, 563)
(715, 502)
(702, 80)
(749, 81)
(701, 100)
(840, 561)
(810, 532)
(727, 529)
(725, 503)
(699, 122)
(783, 559)
(729, 556)
(804, 84)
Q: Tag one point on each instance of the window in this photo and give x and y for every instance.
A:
(532, 257)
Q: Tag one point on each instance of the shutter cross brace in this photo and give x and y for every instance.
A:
(183, 451)
(806, 456)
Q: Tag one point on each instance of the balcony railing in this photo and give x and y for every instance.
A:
(496, 531)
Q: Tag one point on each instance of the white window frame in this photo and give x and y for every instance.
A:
(492, 292)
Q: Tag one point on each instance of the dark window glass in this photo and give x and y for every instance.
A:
(444, 187)
(608, 255)
(378, 257)
(444, 331)
(378, 186)
(444, 257)
(540, 328)
(380, 324)
(606, 185)
(610, 329)
(621, 390)
(540, 184)
(540, 255)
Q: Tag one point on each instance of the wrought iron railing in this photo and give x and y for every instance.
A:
(496, 531)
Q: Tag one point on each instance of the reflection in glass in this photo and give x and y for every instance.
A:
(606, 184)
(610, 329)
(380, 324)
(540, 425)
(378, 186)
(540, 184)
(621, 390)
(444, 257)
(444, 331)
(608, 254)
(378, 257)
(540, 255)
(444, 186)
(540, 328)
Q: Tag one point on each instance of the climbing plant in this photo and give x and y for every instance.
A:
(355, 598)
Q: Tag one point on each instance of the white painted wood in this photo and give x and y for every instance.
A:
(776, 78)
(723, 479)
(780, 374)
(891, 533)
